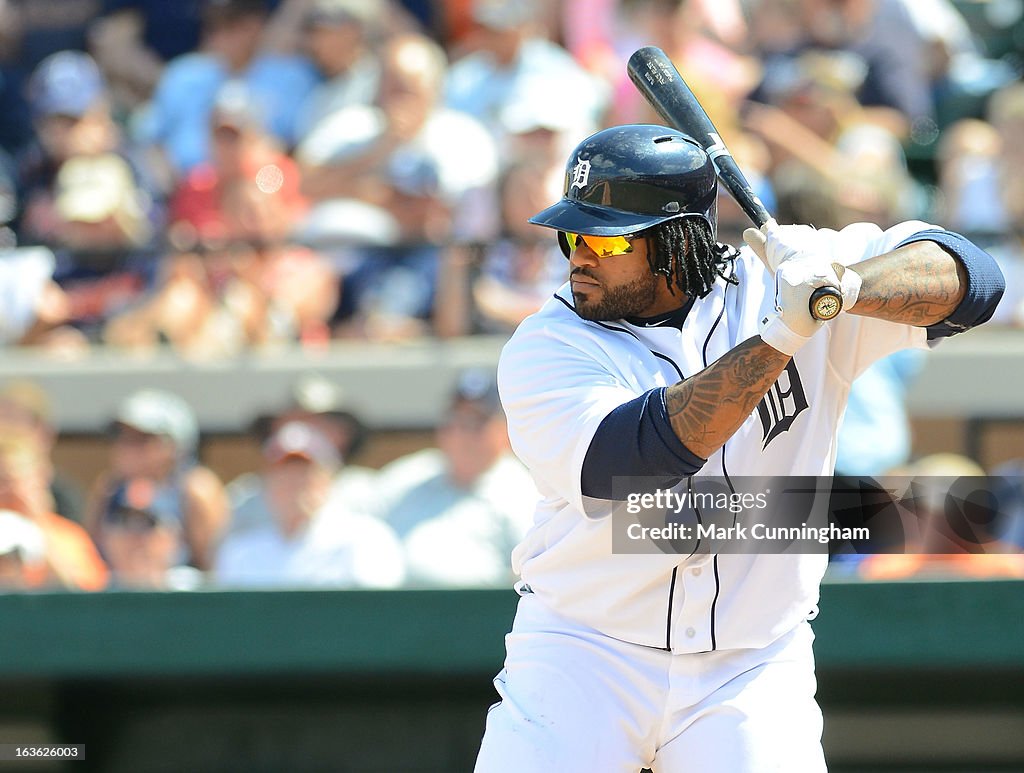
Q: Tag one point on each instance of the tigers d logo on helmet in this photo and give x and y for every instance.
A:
(580, 173)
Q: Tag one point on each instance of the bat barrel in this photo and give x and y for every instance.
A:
(654, 75)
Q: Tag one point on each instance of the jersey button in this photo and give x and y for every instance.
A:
(690, 633)
(695, 572)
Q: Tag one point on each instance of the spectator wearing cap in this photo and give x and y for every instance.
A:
(155, 437)
(310, 542)
(317, 400)
(31, 31)
(462, 507)
(231, 49)
(340, 36)
(247, 190)
(142, 539)
(428, 174)
(514, 62)
(24, 404)
(83, 193)
(71, 114)
(319, 403)
(71, 559)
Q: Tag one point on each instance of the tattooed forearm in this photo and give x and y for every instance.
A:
(706, 409)
(919, 284)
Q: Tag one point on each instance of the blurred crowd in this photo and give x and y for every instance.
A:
(310, 516)
(157, 518)
(220, 176)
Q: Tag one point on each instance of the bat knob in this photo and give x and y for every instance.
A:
(826, 303)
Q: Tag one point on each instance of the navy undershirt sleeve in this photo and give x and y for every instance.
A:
(985, 282)
(637, 440)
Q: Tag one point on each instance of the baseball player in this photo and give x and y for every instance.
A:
(652, 361)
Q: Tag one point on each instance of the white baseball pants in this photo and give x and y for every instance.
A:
(576, 701)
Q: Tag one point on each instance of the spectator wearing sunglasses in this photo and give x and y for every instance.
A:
(155, 436)
(143, 539)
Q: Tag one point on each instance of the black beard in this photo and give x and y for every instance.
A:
(627, 300)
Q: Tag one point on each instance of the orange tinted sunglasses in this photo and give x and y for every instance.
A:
(603, 246)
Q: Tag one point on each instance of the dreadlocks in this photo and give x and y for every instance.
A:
(685, 252)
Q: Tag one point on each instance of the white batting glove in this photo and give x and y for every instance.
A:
(791, 325)
(777, 244)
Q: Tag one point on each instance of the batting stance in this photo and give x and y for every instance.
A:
(652, 361)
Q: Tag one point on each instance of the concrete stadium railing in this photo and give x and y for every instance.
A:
(403, 386)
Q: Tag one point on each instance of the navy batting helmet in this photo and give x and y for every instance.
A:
(626, 179)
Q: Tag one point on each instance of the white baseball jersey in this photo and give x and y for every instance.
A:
(560, 376)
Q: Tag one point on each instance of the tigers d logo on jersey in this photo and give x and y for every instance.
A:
(580, 173)
(785, 401)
